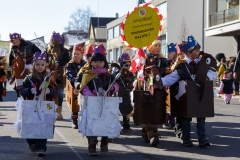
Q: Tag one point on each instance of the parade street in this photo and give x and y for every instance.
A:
(222, 131)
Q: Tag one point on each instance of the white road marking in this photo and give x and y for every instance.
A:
(64, 139)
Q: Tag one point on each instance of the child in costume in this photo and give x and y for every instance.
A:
(94, 80)
(59, 58)
(186, 70)
(3, 73)
(180, 56)
(89, 52)
(30, 88)
(222, 66)
(153, 58)
(72, 69)
(172, 57)
(227, 86)
(126, 80)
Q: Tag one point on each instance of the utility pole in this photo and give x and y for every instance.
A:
(141, 1)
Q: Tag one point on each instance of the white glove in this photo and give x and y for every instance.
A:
(34, 91)
(28, 66)
(47, 91)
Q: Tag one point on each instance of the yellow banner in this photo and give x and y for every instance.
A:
(142, 27)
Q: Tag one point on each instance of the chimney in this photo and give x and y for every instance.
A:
(116, 15)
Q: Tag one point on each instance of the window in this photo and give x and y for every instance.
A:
(163, 45)
(116, 31)
(163, 9)
(110, 33)
(117, 54)
(110, 57)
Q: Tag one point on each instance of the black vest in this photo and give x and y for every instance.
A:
(227, 88)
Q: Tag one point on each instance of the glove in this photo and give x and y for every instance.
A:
(34, 91)
(28, 66)
(47, 91)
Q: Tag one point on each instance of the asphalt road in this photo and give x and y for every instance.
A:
(223, 131)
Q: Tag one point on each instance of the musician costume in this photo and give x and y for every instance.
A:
(126, 81)
(57, 54)
(25, 90)
(72, 69)
(3, 74)
(185, 70)
(93, 82)
(227, 86)
(25, 49)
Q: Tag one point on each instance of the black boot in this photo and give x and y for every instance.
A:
(104, 145)
(202, 141)
(75, 120)
(154, 141)
(1, 90)
(92, 142)
(75, 125)
(126, 126)
(144, 135)
(187, 141)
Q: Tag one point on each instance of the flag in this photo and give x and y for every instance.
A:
(138, 64)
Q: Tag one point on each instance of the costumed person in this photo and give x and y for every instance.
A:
(178, 123)
(186, 70)
(181, 55)
(222, 66)
(227, 86)
(236, 73)
(172, 57)
(58, 57)
(153, 58)
(30, 88)
(3, 74)
(126, 80)
(93, 81)
(231, 64)
(72, 69)
(25, 50)
(89, 52)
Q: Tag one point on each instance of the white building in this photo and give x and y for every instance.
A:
(222, 21)
(177, 14)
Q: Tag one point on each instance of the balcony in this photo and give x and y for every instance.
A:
(224, 16)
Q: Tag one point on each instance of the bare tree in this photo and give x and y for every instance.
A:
(183, 31)
(80, 19)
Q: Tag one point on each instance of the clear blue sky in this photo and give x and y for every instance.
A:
(46, 16)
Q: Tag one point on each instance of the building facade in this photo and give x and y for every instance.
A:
(180, 19)
(222, 20)
(97, 30)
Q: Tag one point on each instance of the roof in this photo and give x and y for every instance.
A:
(103, 21)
